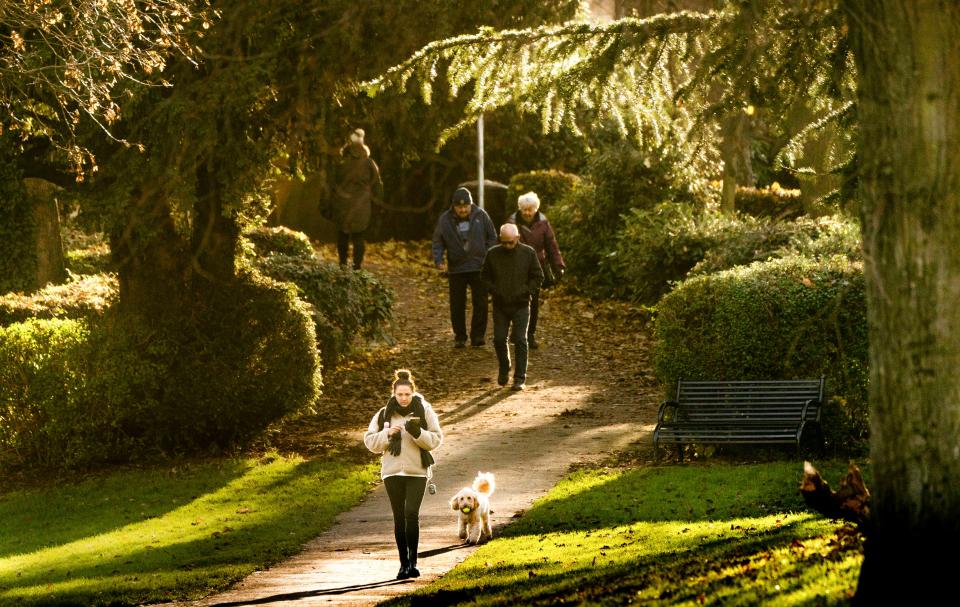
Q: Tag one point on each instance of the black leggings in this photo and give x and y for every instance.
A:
(406, 495)
(343, 248)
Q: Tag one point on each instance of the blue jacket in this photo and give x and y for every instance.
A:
(463, 255)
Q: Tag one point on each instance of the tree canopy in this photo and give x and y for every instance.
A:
(63, 63)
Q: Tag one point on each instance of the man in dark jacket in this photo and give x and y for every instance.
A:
(465, 232)
(512, 273)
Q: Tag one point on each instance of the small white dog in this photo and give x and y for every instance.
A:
(473, 504)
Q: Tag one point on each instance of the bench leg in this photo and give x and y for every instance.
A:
(680, 452)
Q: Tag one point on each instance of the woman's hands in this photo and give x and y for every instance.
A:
(413, 427)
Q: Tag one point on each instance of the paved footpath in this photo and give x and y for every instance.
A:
(527, 439)
(517, 436)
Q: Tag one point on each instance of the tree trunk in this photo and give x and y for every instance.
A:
(214, 241)
(48, 246)
(735, 153)
(908, 59)
(150, 257)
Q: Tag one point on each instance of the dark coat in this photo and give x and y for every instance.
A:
(463, 255)
(539, 235)
(511, 275)
(358, 185)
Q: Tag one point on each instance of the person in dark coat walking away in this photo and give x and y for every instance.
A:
(536, 231)
(464, 232)
(358, 188)
(511, 272)
(405, 431)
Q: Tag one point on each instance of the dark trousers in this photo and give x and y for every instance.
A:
(458, 306)
(343, 247)
(502, 319)
(406, 495)
(534, 313)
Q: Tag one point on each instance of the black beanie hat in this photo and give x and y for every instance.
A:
(462, 195)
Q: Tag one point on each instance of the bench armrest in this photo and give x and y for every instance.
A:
(663, 409)
(807, 405)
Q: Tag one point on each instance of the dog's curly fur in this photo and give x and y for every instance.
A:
(473, 507)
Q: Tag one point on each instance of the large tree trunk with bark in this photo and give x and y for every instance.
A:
(215, 236)
(150, 257)
(908, 58)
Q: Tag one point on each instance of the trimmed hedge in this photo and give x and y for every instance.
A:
(551, 186)
(782, 319)
(74, 394)
(746, 240)
(660, 246)
(776, 203)
(345, 304)
(42, 388)
(87, 297)
(279, 240)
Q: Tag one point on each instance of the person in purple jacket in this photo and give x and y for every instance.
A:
(464, 232)
(535, 231)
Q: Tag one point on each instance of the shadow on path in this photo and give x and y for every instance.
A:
(296, 596)
(428, 553)
(463, 411)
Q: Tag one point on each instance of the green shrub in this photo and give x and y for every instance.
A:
(658, 246)
(344, 303)
(86, 297)
(551, 186)
(75, 394)
(42, 419)
(279, 240)
(94, 259)
(590, 220)
(782, 319)
(665, 244)
(242, 355)
(746, 240)
(776, 203)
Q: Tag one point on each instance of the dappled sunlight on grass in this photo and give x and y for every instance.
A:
(651, 536)
(33, 519)
(263, 512)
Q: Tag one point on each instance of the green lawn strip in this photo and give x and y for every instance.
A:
(166, 534)
(682, 535)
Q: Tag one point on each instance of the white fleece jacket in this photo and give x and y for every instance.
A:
(408, 462)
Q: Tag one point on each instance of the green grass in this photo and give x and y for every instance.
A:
(678, 535)
(163, 534)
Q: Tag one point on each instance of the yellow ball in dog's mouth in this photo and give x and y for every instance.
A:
(466, 510)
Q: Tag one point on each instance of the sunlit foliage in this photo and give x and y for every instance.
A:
(62, 63)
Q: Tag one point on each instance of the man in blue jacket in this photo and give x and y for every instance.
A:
(465, 232)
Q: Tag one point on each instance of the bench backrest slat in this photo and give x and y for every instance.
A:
(763, 400)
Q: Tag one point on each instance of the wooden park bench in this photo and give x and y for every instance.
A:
(743, 412)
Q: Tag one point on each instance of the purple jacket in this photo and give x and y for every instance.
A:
(539, 235)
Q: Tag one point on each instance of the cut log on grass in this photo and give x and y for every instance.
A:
(850, 503)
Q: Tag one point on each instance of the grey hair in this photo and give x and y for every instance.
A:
(530, 200)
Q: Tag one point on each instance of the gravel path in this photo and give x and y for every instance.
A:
(589, 392)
